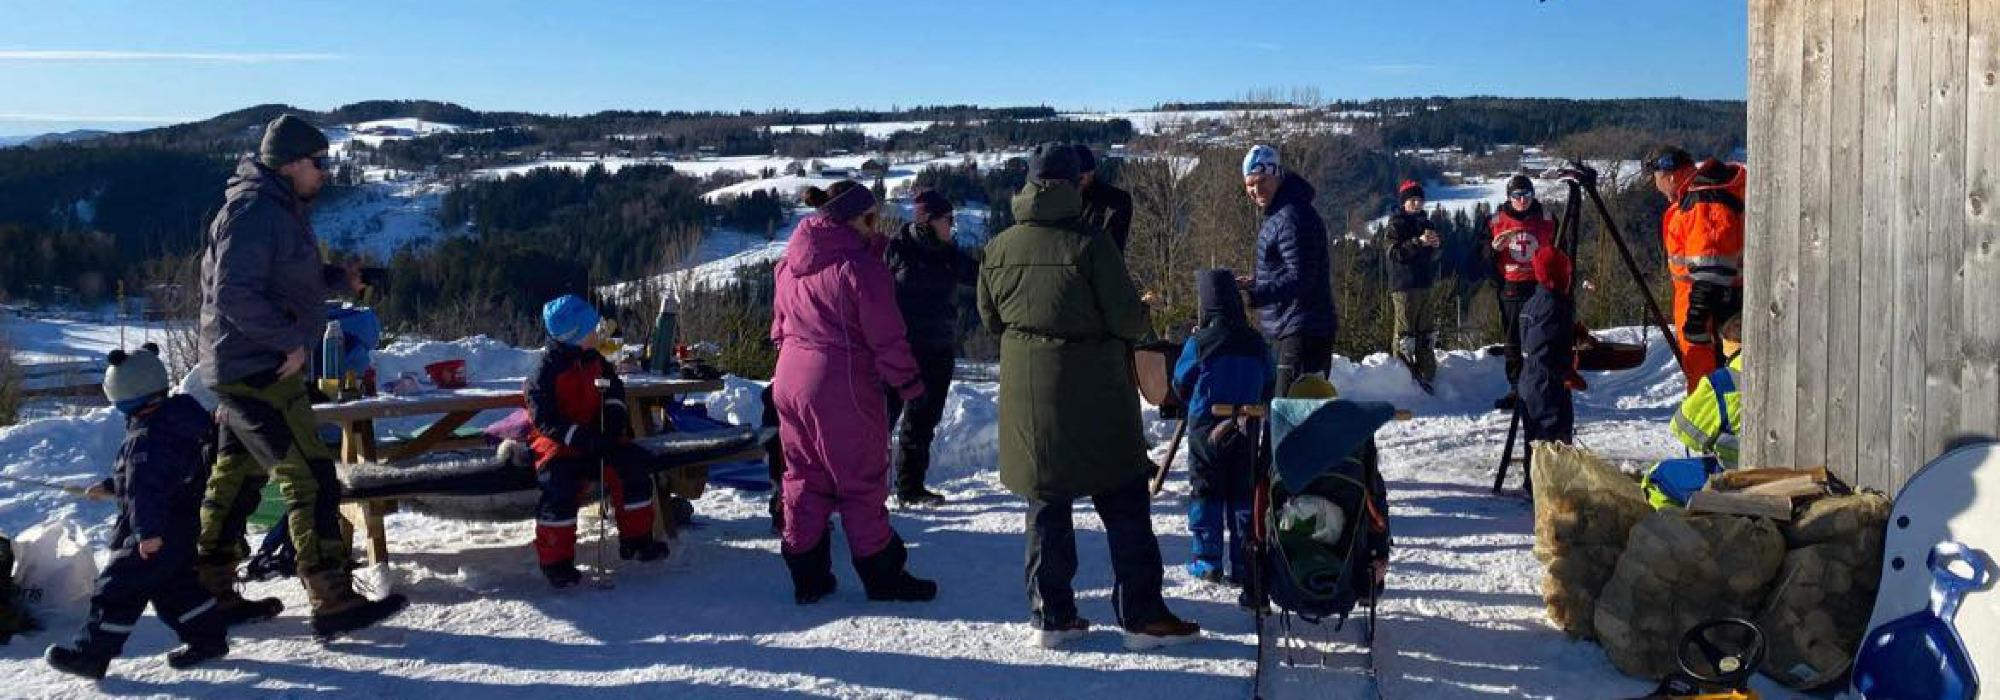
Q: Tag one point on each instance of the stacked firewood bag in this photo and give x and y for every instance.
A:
(1584, 509)
(1818, 608)
(1790, 549)
(1681, 569)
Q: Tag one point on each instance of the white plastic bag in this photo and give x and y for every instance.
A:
(1326, 518)
(55, 569)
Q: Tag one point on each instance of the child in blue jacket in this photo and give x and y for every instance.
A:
(159, 482)
(1225, 362)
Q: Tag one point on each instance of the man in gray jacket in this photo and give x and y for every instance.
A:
(263, 295)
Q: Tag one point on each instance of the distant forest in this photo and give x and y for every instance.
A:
(85, 216)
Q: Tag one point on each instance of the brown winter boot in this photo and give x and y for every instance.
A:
(337, 609)
(218, 577)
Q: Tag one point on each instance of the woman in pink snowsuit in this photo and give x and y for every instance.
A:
(840, 343)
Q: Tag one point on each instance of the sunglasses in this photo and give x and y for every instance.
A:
(1667, 163)
(322, 162)
(1522, 194)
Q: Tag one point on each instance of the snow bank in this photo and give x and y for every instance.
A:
(486, 359)
(71, 450)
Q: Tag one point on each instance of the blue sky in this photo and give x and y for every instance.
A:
(122, 65)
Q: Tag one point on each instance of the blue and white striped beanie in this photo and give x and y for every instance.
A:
(1261, 159)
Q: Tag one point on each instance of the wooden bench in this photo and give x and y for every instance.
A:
(647, 395)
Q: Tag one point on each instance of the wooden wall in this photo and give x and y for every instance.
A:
(1872, 265)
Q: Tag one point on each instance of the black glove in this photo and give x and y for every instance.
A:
(1710, 305)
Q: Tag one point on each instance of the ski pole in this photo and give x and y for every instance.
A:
(603, 477)
(50, 485)
(1173, 447)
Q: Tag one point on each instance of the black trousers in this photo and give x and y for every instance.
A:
(916, 424)
(1135, 557)
(1514, 297)
(129, 583)
(1300, 355)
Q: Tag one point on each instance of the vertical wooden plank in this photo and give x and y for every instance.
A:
(1811, 305)
(1979, 384)
(1788, 108)
(1913, 79)
(1943, 358)
(1879, 213)
(1757, 252)
(1843, 284)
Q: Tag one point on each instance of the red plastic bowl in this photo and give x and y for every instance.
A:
(449, 374)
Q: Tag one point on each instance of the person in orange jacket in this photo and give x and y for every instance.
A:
(1703, 231)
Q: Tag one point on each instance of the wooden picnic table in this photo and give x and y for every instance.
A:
(646, 394)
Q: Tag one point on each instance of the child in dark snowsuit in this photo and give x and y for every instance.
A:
(583, 433)
(1225, 362)
(1548, 337)
(159, 482)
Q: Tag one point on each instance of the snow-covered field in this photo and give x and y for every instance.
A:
(1462, 618)
(724, 253)
(382, 216)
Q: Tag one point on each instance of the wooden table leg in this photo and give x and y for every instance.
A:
(366, 517)
(364, 433)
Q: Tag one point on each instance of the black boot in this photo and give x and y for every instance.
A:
(195, 653)
(76, 663)
(562, 574)
(884, 576)
(643, 549)
(337, 609)
(812, 573)
(919, 498)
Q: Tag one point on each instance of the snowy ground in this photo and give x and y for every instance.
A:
(1462, 618)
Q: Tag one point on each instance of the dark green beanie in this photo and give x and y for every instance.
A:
(289, 138)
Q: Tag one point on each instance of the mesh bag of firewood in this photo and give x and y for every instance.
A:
(1680, 570)
(1584, 507)
(1819, 606)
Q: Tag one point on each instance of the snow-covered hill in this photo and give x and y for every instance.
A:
(1462, 618)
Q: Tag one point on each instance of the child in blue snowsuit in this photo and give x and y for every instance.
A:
(159, 483)
(1225, 362)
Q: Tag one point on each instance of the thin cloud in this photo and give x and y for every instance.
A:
(52, 55)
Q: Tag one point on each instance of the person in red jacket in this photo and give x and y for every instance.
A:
(583, 433)
(1520, 227)
(1703, 232)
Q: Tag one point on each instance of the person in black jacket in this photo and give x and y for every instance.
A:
(158, 484)
(1413, 252)
(1105, 208)
(264, 287)
(929, 269)
(1548, 337)
(1293, 287)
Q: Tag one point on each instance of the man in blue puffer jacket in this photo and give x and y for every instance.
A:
(1293, 287)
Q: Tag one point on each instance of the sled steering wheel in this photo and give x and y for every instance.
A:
(1727, 651)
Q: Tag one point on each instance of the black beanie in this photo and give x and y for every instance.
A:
(1053, 161)
(1085, 160)
(289, 138)
(1519, 182)
(1216, 288)
(931, 204)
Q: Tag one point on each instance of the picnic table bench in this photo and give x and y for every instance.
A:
(646, 394)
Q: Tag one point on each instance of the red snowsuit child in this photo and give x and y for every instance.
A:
(572, 452)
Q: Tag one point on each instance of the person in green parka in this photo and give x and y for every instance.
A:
(1067, 314)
